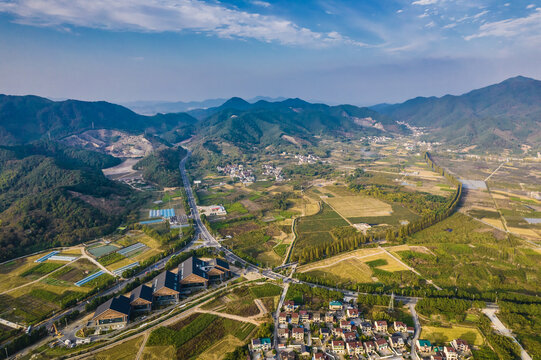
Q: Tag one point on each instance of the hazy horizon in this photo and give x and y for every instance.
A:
(363, 53)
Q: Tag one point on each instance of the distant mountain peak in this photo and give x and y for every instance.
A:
(235, 102)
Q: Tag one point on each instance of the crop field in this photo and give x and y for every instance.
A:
(466, 253)
(442, 335)
(11, 273)
(126, 351)
(32, 303)
(240, 301)
(222, 347)
(74, 272)
(194, 335)
(353, 267)
(102, 250)
(359, 206)
(315, 229)
(399, 214)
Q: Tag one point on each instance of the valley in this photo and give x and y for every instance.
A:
(286, 200)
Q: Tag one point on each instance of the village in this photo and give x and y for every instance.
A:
(342, 332)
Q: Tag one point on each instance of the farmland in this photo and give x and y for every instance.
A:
(442, 335)
(125, 351)
(315, 229)
(240, 301)
(355, 206)
(469, 254)
(353, 267)
(255, 227)
(195, 335)
(26, 300)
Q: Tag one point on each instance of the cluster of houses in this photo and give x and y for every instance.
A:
(456, 350)
(246, 176)
(341, 330)
(269, 170)
(191, 275)
(307, 159)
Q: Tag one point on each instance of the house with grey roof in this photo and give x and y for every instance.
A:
(141, 298)
(165, 288)
(112, 314)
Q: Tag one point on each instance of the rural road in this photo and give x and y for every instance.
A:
(490, 311)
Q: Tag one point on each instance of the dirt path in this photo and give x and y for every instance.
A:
(262, 309)
(332, 207)
(140, 352)
(410, 268)
(494, 172)
(232, 317)
(95, 262)
(38, 280)
(342, 259)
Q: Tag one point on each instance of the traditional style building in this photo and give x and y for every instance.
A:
(112, 314)
(165, 288)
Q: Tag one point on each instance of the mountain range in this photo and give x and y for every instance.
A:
(502, 115)
(155, 107)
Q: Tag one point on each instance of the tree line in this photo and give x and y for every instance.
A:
(347, 239)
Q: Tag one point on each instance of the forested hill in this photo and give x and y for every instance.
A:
(503, 115)
(24, 119)
(51, 195)
(292, 121)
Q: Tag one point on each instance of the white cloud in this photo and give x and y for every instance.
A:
(531, 6)
(529, 25)
(430, 24)
(450, 26)
(261, 3)
(399, 11)
(423, 15)
(168, 16)
(477, 16)
(507, 4)
(424, 2)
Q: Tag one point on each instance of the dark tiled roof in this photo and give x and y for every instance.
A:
(190, 266)
(141, 292)
(166, 279)
(120, 304)
(219, 262)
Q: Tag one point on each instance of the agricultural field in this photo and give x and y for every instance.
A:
(33, 303)
(258, 223)
(511, 200)
(126, 351)
(18, 272)
(75, 271)
(354, 267)
(196, 335)
(240, 301)
(44, 287)
(466, 253)
(358, 206)
(442, 335)
(109, 255)
(315, 229)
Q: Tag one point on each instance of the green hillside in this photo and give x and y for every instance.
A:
(51, 195)
(503, 115)
(24, 119)
(292, 121)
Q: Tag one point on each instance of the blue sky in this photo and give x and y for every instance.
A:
(361, 52)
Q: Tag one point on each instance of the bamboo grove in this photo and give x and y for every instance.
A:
(347, 239)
